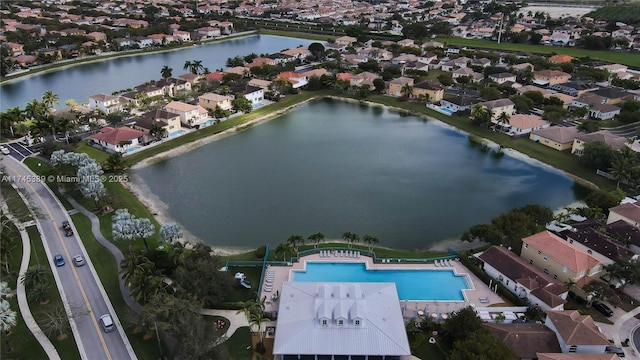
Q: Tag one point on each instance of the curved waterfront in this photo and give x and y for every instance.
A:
(80, 81)
(332, 166)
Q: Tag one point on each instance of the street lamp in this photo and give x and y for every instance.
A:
(155, 325)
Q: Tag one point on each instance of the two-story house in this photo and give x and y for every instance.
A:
(190, 115)
(550, 77)
(556, 257)
(251, 93)
(105, 103)
(210, 101)
(576, 333)
(364, 79)
(433, 91)
(627, 212)
(157, 119)
(396, 86)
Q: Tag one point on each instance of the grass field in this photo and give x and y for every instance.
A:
(627, 13)
(626, 58)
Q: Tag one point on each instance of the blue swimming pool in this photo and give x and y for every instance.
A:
(411, 284)
(176, 133)
(445, 110)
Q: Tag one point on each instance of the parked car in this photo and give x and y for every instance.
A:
(4, 150)
(604, 309)
(107, 323)
(78, 260)
(58, 260)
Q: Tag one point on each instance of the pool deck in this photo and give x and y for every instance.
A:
(410, 307)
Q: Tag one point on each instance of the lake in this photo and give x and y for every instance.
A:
(334, 166)
(78, 82)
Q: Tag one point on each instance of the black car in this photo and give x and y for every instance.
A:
(604, 309)
(614, 350)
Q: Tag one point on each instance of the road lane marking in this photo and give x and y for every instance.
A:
(73, 269)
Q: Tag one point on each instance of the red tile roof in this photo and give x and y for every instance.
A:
(114, 136)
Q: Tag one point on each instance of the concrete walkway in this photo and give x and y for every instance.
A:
(21, 293)
(236, 320)
(95, 229)
(625, 326)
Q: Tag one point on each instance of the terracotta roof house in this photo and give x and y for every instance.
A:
(614, 141)
(238, 70)
(190, 115)
(117, 139)
(558, 258)
(628, 212)
(364, 78)
(523, 124)
(576, 333)
(556, 137)
(263, 84)
(344, 76)
(339, 320)
(215, 76)
(297, 80)
(569, 356)
(522, 278)
(525, 340)
(559, 59)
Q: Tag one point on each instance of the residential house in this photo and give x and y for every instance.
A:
(556, 257)
(499, 106)
(210, 101)
(612, 95)
(297, 80)
(604, 111)
(214, 76)
(459, 102)
(482, 62)
(626, 232)
(574, 88)
(396, 86)
(627, 212)
(523, 279)
(432, 44)
(556, 137)
(149, 90)
(237, 70)
(163, 119)
(615, 142)
(182, 36)
(190, 115)
(105, 103)
(117, 139)
(559, 59)
(260, 61)
(97, 36)
(528, 88)
(172, 86)
(588, 100)
(281, 58)
(345, 40)
(525, 340)
(501, 78)
(364, 78)
(403, 59)
(522, 124)
(254, 94)
(362, 320)
(298, 53)
(192, 78)
(317, 73)
(432, 91)
(550, 77)
(586, 237)
(613, 68)
(263, 84)
(522, 67)
(576, 333)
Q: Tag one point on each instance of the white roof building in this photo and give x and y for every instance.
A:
(322, 320)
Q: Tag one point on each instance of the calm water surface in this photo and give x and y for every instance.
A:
(81, 81)
(333, 167)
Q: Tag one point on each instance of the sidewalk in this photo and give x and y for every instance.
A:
(622, 328)
(23, 304)
(236, 320)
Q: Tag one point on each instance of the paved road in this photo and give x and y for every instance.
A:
(80, 288)
(636, 338)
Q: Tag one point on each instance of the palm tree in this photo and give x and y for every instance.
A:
(406, 90)
(166, 72)
(623, 165)
(143, 287)
(283, 248)
(254, 311)
(196, 66)
(34, 275)
(350, 238)
(187, 65)
(50, 99)
(569, 283)
(34, 109)
(503, 119)
(370, 240)
(316, 239)
(135, 263)
(295, 240)
(39, 293)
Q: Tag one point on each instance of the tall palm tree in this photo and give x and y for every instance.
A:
(39, 293)
(34, 109)
(316, 239)
(295, 240)
(350, 238)
(370, 240)
(135, 263)
(196, 67)
(503, 119)
(622, 168)
(283, 249)
(187, 65)
(50, 99)
(166, 72)
(11, 118)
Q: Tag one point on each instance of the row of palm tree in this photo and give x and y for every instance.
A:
(294, 242)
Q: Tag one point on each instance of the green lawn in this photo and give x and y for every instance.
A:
(626, 58)
(44, 169)
(21, 343)
(107, 270)
(238, 343)
(67, 348)
(300, 35)
(15, 202)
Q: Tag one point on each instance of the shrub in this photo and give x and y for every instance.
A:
(261, 251)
